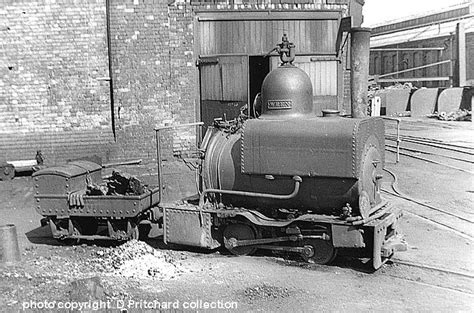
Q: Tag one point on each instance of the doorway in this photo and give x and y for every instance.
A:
(259, 67)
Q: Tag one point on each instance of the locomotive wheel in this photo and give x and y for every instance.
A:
(240, 232)
(319, 251)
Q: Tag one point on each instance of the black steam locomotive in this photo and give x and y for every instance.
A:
(285, 180)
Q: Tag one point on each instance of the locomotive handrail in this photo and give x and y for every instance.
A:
(297, 180)
(398, 121)
(178, 126)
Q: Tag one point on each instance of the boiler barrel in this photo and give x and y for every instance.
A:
(327, 153)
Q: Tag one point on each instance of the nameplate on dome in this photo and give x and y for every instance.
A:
(279, 104)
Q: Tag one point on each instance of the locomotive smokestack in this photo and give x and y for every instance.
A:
(360, 39)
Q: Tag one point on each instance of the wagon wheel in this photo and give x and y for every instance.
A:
(239, 232)
(144, 231)
(135, 233)
(319, 251)
(63, 225)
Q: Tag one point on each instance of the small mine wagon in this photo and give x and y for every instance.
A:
(62, 197)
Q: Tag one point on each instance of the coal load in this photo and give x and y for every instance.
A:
(118, 184)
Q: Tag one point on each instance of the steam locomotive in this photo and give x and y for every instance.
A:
(284, 180)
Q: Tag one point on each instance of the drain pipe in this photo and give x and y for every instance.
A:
(109, 56)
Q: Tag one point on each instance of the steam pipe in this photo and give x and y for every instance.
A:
(297, 180)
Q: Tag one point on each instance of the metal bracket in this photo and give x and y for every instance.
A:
(398, 121)
(204, 61)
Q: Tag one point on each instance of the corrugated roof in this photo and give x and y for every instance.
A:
(421, 33)
(414, 17)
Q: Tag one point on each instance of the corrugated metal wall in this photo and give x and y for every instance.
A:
(260, 36)
(383, 62)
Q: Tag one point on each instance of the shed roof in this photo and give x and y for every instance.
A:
(433, 30)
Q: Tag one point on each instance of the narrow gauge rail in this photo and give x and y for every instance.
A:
(397, 193)
(416, 280)
(433, 143)
(429, 267)
(461, 233)
(430, 153)
(440, 149)
(432, 140)
(429, 160)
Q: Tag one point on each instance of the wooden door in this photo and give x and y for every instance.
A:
(223, 86)
(324, 74)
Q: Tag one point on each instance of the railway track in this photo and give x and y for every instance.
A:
(448, 155)
(438, 285)
(443, 225)
(432, 276)
(434, 151)
(433, 143)
(431, 268)
(431, 153)
(397, 193)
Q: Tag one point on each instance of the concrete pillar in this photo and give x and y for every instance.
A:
(360, 51)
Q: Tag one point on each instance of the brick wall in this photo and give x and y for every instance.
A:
(50, 98)
(154, 74)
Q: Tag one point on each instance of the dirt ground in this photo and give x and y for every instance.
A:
(435, 274)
